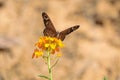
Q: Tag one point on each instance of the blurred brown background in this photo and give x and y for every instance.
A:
(91, 53)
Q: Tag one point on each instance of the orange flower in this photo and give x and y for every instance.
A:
(37, 53)
(46, 43)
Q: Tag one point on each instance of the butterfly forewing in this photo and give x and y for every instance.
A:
(49, 27)
(63, 34)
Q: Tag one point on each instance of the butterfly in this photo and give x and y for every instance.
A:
(51, 31)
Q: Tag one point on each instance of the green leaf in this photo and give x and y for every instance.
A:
(43, 76)
(105, 78)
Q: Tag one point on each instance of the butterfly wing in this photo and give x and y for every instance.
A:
(63, 34)
(49, 27)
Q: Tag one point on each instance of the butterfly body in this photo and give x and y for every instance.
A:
(51, 31)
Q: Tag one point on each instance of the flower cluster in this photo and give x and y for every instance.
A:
(46, 43)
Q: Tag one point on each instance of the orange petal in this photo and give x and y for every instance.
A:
(39, 45)
(53, 52)
(33, 55)
(57, 49)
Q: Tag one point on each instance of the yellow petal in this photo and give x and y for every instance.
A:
(59, 54)
(60, 43)
(39, 53)
(52, 46)
(47, 45)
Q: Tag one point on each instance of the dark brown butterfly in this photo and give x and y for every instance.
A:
(51, 31)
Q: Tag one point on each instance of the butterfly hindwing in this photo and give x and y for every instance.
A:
(63, 34)
(49, 27)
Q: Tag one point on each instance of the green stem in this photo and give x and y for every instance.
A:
(49, 66)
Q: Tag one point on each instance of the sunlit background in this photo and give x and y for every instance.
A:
(91, 53)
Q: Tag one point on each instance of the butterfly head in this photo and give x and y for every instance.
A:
(57, 34)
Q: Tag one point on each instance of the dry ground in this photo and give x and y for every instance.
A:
(90, 53)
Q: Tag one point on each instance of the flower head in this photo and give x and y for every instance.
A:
(46, 43)
(37, 53)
